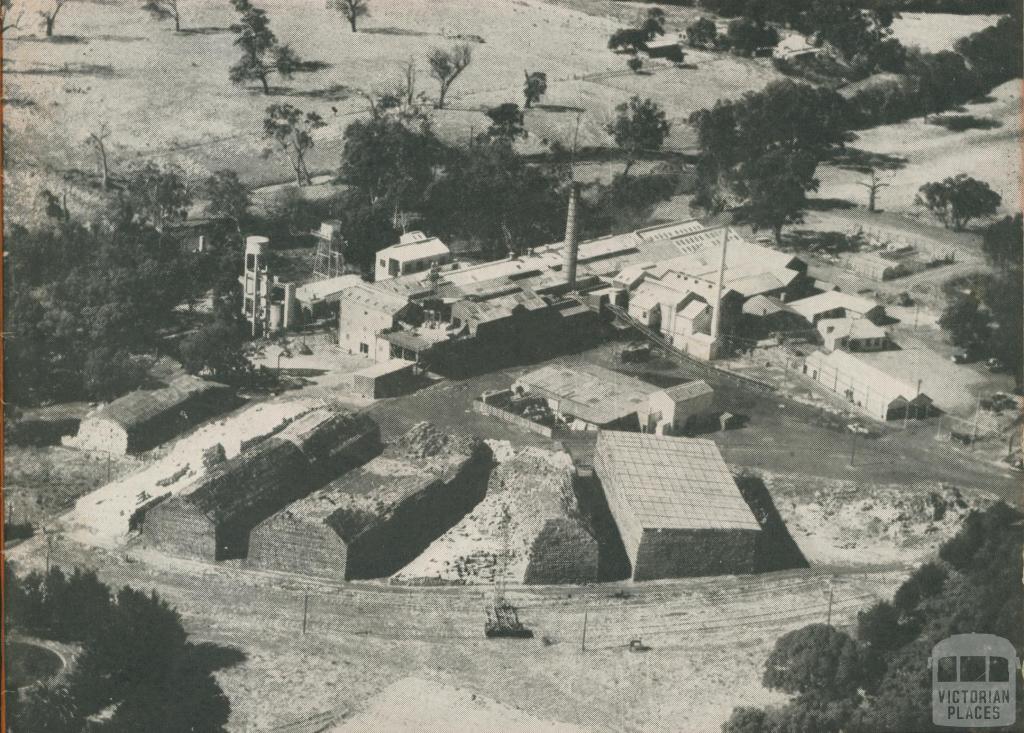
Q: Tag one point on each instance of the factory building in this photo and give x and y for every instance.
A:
(375, 519)
(211, 519)
(873, 390)
(853, 334)
(677, 507)
(144, 419)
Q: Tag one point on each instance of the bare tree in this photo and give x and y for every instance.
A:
(49, 15)
(98, 140)
(445, 66)
(163, 10)
(410, 82)
(874, 184)
(351, 9)
(8, 23)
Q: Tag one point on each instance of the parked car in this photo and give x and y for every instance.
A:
(960, 357)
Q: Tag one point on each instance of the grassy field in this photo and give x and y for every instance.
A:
(923, 152)
(166, 96)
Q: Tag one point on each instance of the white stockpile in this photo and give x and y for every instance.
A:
(495, 540)
(102, 517)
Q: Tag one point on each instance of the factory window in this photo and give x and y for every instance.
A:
(383, 263)
(364, 348)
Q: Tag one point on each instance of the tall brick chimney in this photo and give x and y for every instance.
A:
(716, 315)
(572, 244)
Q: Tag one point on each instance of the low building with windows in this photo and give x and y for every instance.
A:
(365, 311)
(836, 304)
(674, 410)
(415, 252)
(853, 334)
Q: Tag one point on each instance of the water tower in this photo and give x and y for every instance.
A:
(256, 284)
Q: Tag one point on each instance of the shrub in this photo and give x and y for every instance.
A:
(961, 123)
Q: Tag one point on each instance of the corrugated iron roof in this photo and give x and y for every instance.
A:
(672, 483)
(373, 297)
(589, 392)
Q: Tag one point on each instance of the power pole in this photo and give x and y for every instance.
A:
(305, 611)
(974, 431)
(938, 430)
(583, 641)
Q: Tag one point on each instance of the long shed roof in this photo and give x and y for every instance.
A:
(590, 392)
(672, 483)
(135, 409)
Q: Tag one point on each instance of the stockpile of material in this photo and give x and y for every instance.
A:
(528, 529)
(372, 521)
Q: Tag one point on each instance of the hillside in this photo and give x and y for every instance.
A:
(166, 96)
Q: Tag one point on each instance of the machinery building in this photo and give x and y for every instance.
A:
(144, 419)
(375, 519)
(677, 507)
(588, 396)
(211, 519)
(268, 303)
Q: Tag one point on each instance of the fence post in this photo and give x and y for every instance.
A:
(305, 611)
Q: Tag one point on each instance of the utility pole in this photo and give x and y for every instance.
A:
(831, 591)
(853, 447)
(583, 641)
(305, 611)
(938, 430)
(974, 431)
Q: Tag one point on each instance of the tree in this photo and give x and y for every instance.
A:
(506, 121)
(846, 25)
(49, 15)
(641, 126)
(967, 324)
(164, 10)
(653, 23)
(44, 709)
(98, 140)
(228, 197)
(109, 374)
(535, 87)
(390, 161)
(702, 33)
(1003, 243)
(816, 659)
(874, 184)
(216, 350)
(445, 66)
(628, 39)
(7, 22)
(261, 53)
(635, 63)
(293, 133)
(159, 195)
(746, 36)
(774, 187)
(352, 10)
(957, 200)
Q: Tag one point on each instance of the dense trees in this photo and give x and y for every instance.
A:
(506, 121)
(446, 65)
(760, 152)
(746, 36)
(640, 126)
(135, 660)
(880, 682)
(262, 55)
(702, 33)
(958, 199)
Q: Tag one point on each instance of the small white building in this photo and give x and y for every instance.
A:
(852, 334)
(365, 311)
(415, 252)
(671, 411)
